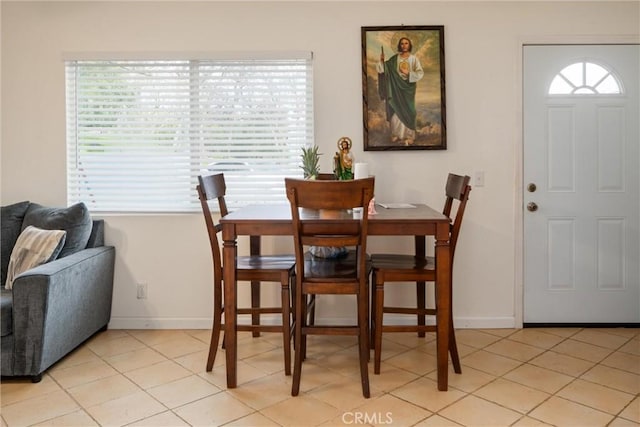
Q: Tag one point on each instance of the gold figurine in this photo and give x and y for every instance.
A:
(343, 160)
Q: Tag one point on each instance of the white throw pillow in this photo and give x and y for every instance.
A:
(34, 246)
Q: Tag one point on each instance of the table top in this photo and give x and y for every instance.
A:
(276, 220)
(282, 212)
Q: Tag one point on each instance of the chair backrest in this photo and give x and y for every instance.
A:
(324, 229)
(212, 187)
(457, 188)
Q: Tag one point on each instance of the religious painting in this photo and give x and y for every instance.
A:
(403, 88)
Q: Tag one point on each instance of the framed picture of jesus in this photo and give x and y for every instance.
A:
(403, 85)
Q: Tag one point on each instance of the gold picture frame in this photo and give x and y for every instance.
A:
(403, 88)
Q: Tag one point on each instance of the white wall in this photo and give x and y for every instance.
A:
(170, 252)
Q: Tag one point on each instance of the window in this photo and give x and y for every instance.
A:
(139, 132)
(584, 78)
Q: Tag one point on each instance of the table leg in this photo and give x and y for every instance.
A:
(229, 252)
(421, 287)
(443, 303)
(255, 286)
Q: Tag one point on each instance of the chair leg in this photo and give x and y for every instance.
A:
(286, 323)
(453, 348)
(255, 304)
(312, 312)
(377, 354)
(306, 321)
(367, 318)
(372, 315)
(297, 339)
(309, 315)
(294, 302)
(217, 327)
(421, 297)
(363, 340)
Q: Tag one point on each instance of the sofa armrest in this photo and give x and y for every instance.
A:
(58, 305)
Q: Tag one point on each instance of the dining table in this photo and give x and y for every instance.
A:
(418, 220)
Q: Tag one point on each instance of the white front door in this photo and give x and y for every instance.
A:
(581, 184)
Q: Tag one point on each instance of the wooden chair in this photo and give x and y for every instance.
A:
(254, 268)
(389, 268)
(320, 218)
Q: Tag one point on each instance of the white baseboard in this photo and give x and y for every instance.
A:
(159, 323)
(205, 323)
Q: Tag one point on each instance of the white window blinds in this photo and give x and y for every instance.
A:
(140, 132)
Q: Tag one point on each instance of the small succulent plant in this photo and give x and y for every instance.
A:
(310, 160)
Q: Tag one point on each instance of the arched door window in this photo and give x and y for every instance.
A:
(585, 78)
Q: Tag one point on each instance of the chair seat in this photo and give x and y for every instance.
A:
(403, 262)
(266, 262)
(344, 267)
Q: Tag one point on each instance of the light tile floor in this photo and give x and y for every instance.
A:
(527, 377)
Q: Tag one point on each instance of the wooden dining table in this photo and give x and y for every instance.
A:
(275, 220)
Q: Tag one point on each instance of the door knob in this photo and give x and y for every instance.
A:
(531, 187)
(532, 207)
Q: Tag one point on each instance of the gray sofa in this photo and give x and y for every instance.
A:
(54, 307)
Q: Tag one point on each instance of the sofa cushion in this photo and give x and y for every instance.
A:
(33, 247)
(75, 220)
(11, 218)
(6, 315)
(97, 234)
